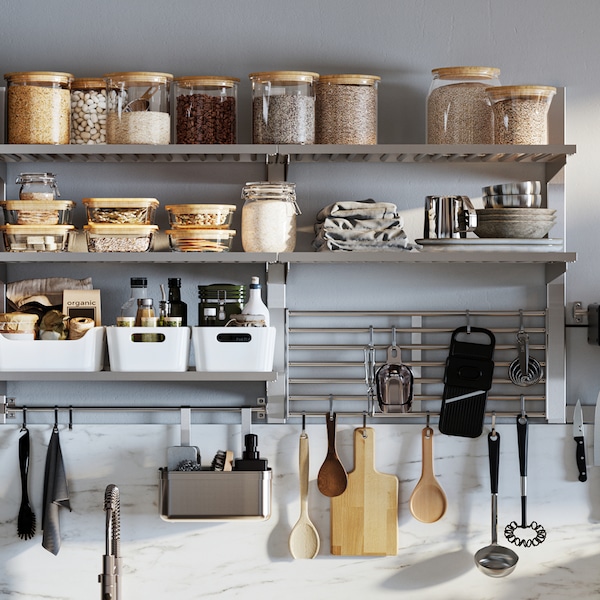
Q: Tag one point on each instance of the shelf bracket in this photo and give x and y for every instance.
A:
(277, 166)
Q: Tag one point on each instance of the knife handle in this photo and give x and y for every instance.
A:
(580, 455)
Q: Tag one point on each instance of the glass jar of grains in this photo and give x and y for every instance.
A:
(346, 109)
(138, 105)
(37, 186)
(206, 110)
(88, 111)
(283, 107)
(458, 110)
(38, 107)
(269, 217)
(521, 113)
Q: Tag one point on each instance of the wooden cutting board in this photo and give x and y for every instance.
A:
(364, 519)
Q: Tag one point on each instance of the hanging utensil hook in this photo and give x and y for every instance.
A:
(468, 316)
(55, 418)
(330, 407)
(24, 426)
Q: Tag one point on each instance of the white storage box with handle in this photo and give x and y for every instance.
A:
(234, 348)
(148, 348)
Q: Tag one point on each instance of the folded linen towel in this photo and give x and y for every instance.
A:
(395, 245)
(359, 209)
(340, 223)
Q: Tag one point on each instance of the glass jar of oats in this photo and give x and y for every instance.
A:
(521, 113)
(38, 107)
(37, 186)
(269, 217)
(458, 109)
(283, 107)
(346, 109)
(138, 108)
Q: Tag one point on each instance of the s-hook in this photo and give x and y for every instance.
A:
(24, 426)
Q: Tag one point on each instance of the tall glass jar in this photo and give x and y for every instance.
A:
(458, 110)
(269, 217)
(138, 106)
(88, 111)
(37, 186)
(346, 109)
(206, 110)
(283, 107)
(39, 107)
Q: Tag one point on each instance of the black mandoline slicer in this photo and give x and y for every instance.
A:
(467, 380)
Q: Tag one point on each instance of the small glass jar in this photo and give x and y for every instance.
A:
(88, 111)
(39, 107)
(206, 110)
(269, 217)
(283, 107)
(521, 113)
(346, 109)
(458, 110)
(138, 105)
(37, 186)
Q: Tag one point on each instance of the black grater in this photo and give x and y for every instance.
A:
(467, 380)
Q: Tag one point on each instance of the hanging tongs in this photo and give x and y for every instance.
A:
(369, 352)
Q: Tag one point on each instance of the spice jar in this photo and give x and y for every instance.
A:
(521, 113)
(458, 110)
(38, 107)
(269, 217)
(138, 105)
(88, 111)
(283, 107)
(37, 186)
(346, 109)
(206, 110)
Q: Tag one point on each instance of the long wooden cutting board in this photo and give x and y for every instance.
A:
(364, 519)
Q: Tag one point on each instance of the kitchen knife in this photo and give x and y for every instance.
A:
(597, 433)
(579, 439)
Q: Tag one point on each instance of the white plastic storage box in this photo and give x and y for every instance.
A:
(234, 348)
(84, 354)
(148, 348)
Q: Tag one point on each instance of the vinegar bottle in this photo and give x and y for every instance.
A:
(178, 307)
(255, 305)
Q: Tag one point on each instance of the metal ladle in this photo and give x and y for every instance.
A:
(495, 560)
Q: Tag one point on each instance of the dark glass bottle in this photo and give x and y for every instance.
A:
(178, 307)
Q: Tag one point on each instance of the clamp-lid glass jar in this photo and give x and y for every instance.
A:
(206, 110)
(138, 105)
(283, 107)
(39, 107)
(521, 113)
(346, 109)
(37, 186)
(458, 109)
(88, 111)
(269, 216)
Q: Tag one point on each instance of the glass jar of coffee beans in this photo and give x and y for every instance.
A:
(88, 111)
(458, 109)
(283, 107)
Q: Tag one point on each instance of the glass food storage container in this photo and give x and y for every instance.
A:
(226, 298)
(138, 108)
(37, 186)
(269, 217)
(38, 212)
(283, 107)
(206, 110)
(346, 109)
(207, 216)
(120, 238)
(521, 113)
(37, 238)
(88, 111)
(122, 211)
(458, 110)
(38, 107)
(193, 239)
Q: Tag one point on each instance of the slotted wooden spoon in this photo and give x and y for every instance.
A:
(428, 501)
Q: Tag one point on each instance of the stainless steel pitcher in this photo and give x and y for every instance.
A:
(448, 217)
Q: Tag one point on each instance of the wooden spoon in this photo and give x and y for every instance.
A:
(332, 479)
(428, 500)
(304, 539)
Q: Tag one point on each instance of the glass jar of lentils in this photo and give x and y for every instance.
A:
(346, 109)
(39, 107)
(138, 108)
(458, 109)
(88, 111)
(269, 216)
(283, 107)
(206, 110)
(521, 113)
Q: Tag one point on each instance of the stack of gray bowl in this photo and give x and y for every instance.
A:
(513, 210)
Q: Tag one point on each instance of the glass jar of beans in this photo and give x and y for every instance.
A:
(138, 108)
(88, 111)
(521, 113)
(283, 107)
(458, 109)
(206, 110)
(346, 109)
(39, 107)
